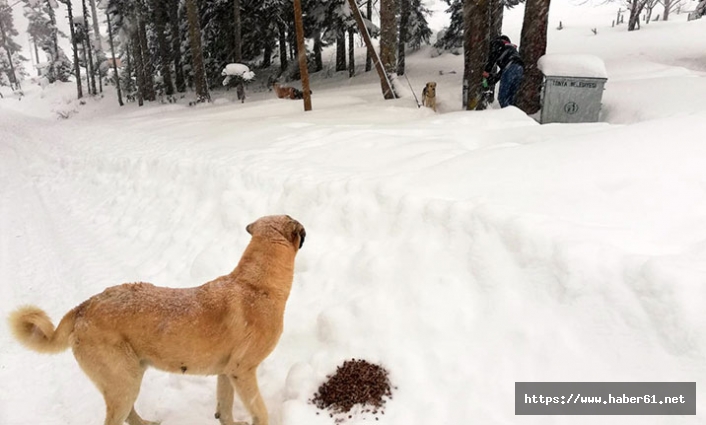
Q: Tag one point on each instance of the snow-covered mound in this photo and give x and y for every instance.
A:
(238, 70)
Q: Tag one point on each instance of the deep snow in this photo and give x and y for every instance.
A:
(465, 251)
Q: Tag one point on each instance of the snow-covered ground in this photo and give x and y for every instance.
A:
(465, 251)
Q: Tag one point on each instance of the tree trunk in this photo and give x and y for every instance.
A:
(147, 66)
(282, 46)
(351, 53)
(318, 49)
(192, 15)
(267, 56)
(139, 66)
(291, 40)
(635, 10)
(368, 58)
(497, 11)
(77, 69)
(388, 34)
(340, 50)
(96, 28)
(667, 9)
(301, 55)
(164, 53)
(476, 26)
(55, 42)
(129, 69)
(238, 46)
(36, 56)
(404, 23)
(173, 10)
(533, 45)
(98, 42)
(89, 50)
(294, 46)
(14, 82)
(112, 53)
(237, 32)
(385, 84)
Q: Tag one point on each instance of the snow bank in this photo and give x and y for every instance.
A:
(461, 260)
(560, 65)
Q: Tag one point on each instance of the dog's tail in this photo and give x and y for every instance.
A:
(33, 328)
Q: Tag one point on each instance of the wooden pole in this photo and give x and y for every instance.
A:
(387, 91)
(301, 52)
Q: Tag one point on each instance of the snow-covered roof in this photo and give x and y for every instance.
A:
(572, 65)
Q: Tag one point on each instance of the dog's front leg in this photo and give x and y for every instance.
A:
(245, 382)
(224, 407)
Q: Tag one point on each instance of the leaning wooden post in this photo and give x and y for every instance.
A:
(301, 52)
(387, 91)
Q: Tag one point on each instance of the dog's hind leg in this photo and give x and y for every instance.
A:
(225, 395)
(134, 419)
(117, 373)
(245, 382)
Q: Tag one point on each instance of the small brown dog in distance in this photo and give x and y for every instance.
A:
(429, 95)
(284, 92)
(225, 327)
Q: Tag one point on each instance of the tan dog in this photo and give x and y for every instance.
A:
(284, 92)
(429, 95)
(225, 327)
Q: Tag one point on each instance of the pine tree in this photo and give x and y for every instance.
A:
(402, 43)
(388, 34)
(114, 59)
(74, 43)
(165, 55)
(340, 49)
(414, 29)
(533, 45)
(175, 33)
(142, 15)
(351, 52)
(42, 28)
(199, 74)
(88, 49)
(418, 31)
(476, 29)
(451, 38)
(11, 67)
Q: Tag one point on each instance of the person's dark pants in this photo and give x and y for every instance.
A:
(509, 84)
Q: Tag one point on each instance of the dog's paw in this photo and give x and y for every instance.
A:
(229, 422)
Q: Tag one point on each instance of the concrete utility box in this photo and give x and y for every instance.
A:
(573, 88)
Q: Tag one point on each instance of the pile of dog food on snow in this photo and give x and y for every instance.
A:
(356, 382)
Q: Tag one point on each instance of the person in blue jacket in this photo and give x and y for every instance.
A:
(504, 54)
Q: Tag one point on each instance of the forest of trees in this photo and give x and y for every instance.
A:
(165, 47)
